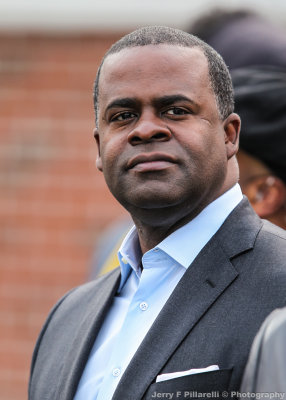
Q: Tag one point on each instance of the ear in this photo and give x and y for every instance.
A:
(231, 134)
(98, 162)
(267, 194)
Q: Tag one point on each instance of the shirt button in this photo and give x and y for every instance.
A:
(124, 260)
(116, 372)
(143, 306)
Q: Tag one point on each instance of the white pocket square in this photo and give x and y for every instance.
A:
(172, 375)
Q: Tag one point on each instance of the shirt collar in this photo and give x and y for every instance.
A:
(129, 255)
(185, 243)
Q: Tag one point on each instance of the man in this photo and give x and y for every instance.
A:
(255, 52)
(200, 271)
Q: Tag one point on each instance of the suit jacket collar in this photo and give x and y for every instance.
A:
(240, 229)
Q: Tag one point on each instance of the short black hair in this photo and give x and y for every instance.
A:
(154, 35)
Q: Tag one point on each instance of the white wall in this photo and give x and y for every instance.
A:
(90, 15)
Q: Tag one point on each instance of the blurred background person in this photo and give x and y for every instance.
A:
(260, 100)
(243, 37)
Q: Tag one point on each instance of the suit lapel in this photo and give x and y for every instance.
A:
(200, 286)
(205, 280)
(93, 313)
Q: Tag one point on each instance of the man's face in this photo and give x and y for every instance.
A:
(161, 140)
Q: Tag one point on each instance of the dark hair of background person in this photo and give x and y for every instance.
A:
(242, 37)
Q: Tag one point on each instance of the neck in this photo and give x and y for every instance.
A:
(153, 229)
(153, 226)
(150, 236)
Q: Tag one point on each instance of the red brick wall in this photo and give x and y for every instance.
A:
(53, 202)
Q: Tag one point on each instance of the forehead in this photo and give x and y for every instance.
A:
(154, 68)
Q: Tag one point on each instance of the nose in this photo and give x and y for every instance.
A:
(149, 129)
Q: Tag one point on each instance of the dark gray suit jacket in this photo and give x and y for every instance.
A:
(211, 317)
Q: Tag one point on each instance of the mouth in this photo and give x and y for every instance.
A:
(148, 162)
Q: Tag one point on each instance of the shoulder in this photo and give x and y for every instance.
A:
(83, 295)
(66, 318)
(244, 231)
(74, 319)
(267, 259)
(74, 306)
(273, 231)
(270, 243)
(257, 249)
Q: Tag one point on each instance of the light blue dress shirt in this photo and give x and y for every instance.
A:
(142, 295)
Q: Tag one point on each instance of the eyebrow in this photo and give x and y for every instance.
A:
(171, 99)
(163, 101)
(122, 102)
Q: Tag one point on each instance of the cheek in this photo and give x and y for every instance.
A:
(208, 154)
(111, 150)
(200, 145)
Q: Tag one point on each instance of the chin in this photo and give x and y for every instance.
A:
(154, 199)
(158, 210)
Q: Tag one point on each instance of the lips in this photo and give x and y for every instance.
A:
(151, 162)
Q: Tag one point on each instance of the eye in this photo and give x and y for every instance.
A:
(177, 111)
(123, 116)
